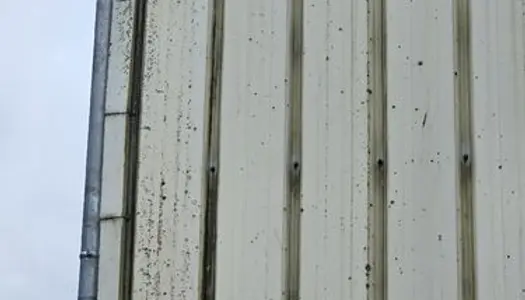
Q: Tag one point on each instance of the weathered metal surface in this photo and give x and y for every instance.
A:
(170, 168)
(120, 56)
(252, 151)
(334, 153)
(112, 211)
(498, 99)
(315, 149)
(422, 179)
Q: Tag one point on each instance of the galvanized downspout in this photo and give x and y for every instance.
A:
(89, 254)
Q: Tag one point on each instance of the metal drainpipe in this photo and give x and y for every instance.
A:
(88, 277)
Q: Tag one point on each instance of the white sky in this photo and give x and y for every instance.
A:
(45, 66)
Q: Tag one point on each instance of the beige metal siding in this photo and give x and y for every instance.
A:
(170, 168)
(252, 151)
(421, 176)
(315, 149)
(498, 96)
(335, 138)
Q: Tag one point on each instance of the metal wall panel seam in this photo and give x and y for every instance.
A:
(334, 203)
(498, 103)
(253, 151)
(422, 150)
(167, 246)
(293, 167)
(376, 269)
(132, 145)
(465, 152)
(211, 153)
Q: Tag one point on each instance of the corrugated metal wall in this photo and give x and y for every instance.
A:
(315, 149)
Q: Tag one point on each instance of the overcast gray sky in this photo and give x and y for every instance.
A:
(45, 66)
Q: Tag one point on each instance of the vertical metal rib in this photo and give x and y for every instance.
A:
(212, 141)
(132, 148)
(294, 73)
(376, 269)
(89, 253)
(467, 272)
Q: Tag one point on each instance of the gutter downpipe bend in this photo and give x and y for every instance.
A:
(90, 245)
